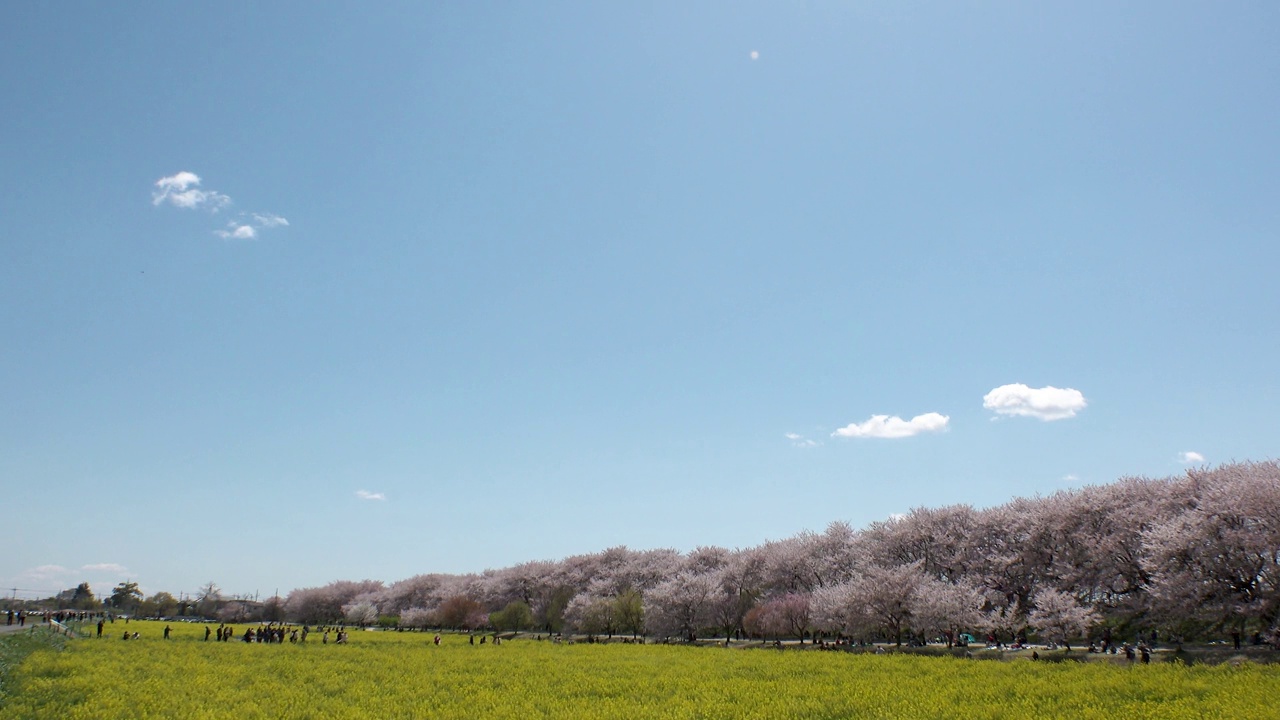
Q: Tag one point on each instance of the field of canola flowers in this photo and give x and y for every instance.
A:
(403, 675)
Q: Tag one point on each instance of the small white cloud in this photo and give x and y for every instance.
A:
(1046, 403)
(897, 517)
(237, 232)
(1189, 457)
(183, 190)
(268, 220)
(883, 426)
(800, 441)
(1070, 478)
(755, 54)
(45, 572)
(366, 495)
(105, 567)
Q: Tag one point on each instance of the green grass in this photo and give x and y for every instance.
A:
(14, 649)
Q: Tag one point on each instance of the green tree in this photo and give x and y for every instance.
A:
(162, 604)
(551, 616)
(628, 611)
(125, 596)
(515, 616)
(83, 599)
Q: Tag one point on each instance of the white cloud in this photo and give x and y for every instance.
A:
(366, 495)
(883, 426)
(755, 54)
(105, 567)
(237, 232)
(1189, 457)
(800, 441)
(1046, 403)
(268, 220)
(183, 190)
(45, 572)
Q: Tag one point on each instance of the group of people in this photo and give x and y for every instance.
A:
(273, 633)
(270, 633)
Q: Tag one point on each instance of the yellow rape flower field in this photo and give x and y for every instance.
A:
(404, 675)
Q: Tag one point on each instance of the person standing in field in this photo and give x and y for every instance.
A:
(437, 641)
(207, 632)
(166, 632)
(99, 628)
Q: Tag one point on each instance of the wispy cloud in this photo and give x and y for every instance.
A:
(183, 190)
(267, 220)
(105, 567)
(45, 572)
(1046, 403)
(366, 495)
(884, 426)
(800, 441)
(1190, 457)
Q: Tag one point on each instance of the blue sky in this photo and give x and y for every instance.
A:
(296, 293)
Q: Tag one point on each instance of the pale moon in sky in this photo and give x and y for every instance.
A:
(755, 54)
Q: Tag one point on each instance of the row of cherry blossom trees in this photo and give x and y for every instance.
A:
(1188, 555)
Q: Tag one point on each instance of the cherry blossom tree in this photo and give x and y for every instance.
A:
(831, 608)
(1058, 617)
(416, 617)
(792, 613)
(939, 539)
(946, 609)
(324, 604)
(1219, 561)
(739, 583)
(885, 600)
(679, 607)
(360, 613)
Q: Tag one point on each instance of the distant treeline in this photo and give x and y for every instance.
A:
(1186, 556)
